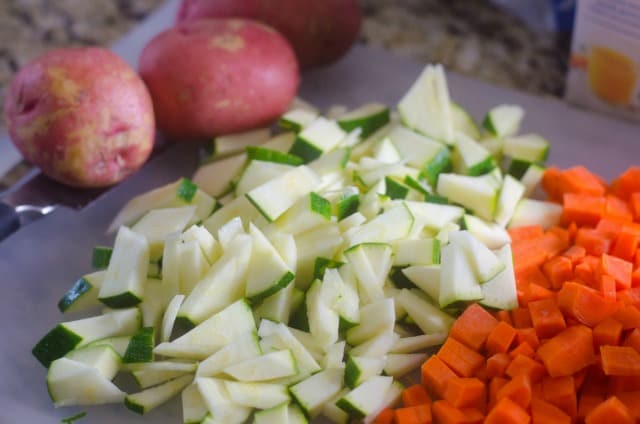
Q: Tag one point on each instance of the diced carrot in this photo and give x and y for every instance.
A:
(473, 326)
(607, 332)
(619, 269)
(561, 392)
(526, 258)
(558, 270)
(445, 413)
(497, 364)
(543, 412)
(503, 316)
(625, 245)
(435, 375)
(588, 402)
(567, 352)
(593, 241)
(575, 253)
(583, 209)
(632, 401)
(573, 230)
(628, 315)
(617, 208)
(462, 360)
(532, 292)
(500, 338)
(528, 335)
(418, 414)
(581, 180)
(607, 287)
(525, 232)
(534, 276)
(579, 378)
(495, 385)
(633, 339)
(507, 411)
(584, 303)
(627, 183)
(518, 389)
(585, 273)
(521, 317)
(609, 227)
(620, 360)
(415, 395)
(481, 373)
(472, 416)
(465, 392)
(551, 183)
(546, 317)
(386, 416)
(562, 233)
(630, 296)
(609, 411)
(634, 205)
(523, 348)
(522, 364)
(622, 383)
(635, 278)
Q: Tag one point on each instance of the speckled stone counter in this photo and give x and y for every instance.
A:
(472, 37)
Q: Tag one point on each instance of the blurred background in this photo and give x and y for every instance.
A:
(513, 43)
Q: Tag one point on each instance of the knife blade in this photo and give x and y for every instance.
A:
(35, 196)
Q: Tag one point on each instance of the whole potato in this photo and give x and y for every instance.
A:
(320, 31)
(216, 76)
(82, 115)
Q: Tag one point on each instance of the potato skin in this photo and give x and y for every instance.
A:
(320, 31)
(82, 115)
(217, 76)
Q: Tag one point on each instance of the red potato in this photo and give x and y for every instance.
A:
(321, 31)
(82, 115)
(217, 76)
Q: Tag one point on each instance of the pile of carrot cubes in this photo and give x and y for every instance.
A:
(570, 352)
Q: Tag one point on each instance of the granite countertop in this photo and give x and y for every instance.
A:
(472, 37)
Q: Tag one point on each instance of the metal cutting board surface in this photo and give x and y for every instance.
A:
(41, 261)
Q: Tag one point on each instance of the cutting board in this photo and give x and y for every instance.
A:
(41, 261)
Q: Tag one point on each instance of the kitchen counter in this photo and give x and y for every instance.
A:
(472, 37)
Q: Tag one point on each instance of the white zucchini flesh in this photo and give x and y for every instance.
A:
(243, 347)
(74, 383)
(313, 392)
(148, 399)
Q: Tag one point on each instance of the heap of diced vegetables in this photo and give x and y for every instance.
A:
(308, 273)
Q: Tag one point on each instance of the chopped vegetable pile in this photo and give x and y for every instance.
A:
(570, 352)
(310, 273)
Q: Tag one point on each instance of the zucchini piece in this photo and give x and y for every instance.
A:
(426, 107)
(275, 196)
(101, 357)
(463, 121)
(484, 263)
(222, 146)
(267, 273)
(219, 403)
(264, 154)
(148, 374)
(100, 257)
(312, 393)
(140, 347)
(243, 347)
(257, 395)
(276, 415)
(536, 212)
(366, 398)
(503, 120)
(458, 281)
(427, 316)
(500, 291)
(297, 119)
(393, 224)
(426, 278)
(268, 366)
(369, 118)
(320, 136)
(399, 364)
(474, 158)
(424, 251)
(194, 410)
(148, 399)
(527, 147)
(216, 178)
(83, 294)
(72, 383)
(123, 283)
(66, 336)
(413, 344)
(361, 368)
(375, 318)
(478, 194)
(510, 194)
